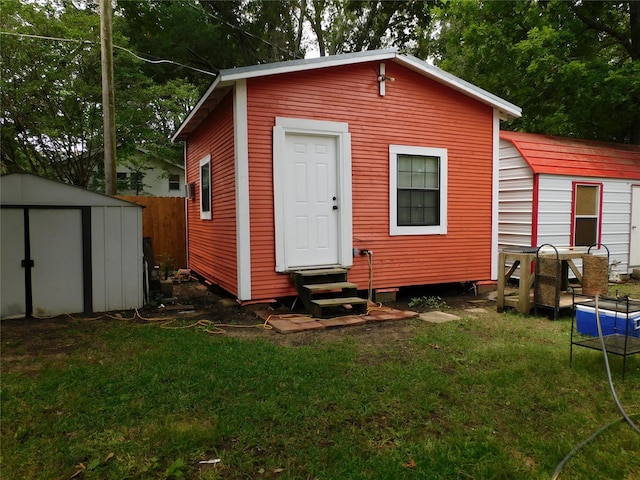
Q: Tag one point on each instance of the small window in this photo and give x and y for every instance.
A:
(122, 181)
(418, 190)
(586, 216)
(174, 182)
(205, 188)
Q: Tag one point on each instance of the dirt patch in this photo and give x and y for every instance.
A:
(54, 337)
(192, 301)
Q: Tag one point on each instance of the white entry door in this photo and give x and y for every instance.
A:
(311, 202)
(634, 247)
(57, 278)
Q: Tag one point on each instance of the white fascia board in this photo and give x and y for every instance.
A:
(195, 109)
(291, 66)
(507, 109)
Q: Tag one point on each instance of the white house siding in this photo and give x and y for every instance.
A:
(554, 214)
(156, 180)
(515, 196)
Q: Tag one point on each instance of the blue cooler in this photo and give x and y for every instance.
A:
(612, 321)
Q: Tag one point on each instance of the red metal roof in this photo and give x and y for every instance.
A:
(576, 157)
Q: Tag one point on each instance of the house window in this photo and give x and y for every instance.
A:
(122, 181)
(205, 188)
(418, 190)
(586, 214)
(174, 182)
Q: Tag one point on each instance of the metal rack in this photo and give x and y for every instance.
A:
(550, 285)
(621, 335)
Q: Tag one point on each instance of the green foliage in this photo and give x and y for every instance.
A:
(573, 67)
(428, 302)
(51, 97)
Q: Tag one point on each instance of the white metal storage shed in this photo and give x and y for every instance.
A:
(66, 250)
(570, 192)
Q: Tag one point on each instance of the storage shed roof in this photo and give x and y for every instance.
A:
(25, 189)
(571, 156)
(226, 79)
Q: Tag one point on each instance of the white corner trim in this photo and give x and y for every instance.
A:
(243, 231)
(394, 151)
(495, 200)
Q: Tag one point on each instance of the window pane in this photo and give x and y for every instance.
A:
(418, 190)
(587, 199)
(404, 216)
(418, 208)
(586, 231)
(404, 179)
(205, 187)
(404, 198)
(404, 163)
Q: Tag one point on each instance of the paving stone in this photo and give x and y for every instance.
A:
(438, 317)
(343, 321)
(475, 310)
(302, 319)
(287, 326)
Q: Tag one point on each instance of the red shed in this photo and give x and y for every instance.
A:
(308, 164)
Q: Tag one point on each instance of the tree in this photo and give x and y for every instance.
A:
(51, 97)
(571, 66)
(343, 26)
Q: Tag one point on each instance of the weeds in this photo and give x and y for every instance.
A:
(430, 303)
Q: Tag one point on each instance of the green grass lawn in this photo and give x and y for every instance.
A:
(490, 396)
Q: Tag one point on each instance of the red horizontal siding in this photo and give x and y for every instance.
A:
(212, 243)
(415, 111)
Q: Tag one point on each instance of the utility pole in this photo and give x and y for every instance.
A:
(108, 101)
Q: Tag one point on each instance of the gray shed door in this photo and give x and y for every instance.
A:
(12, 288)
(54, 239)
(56, 249)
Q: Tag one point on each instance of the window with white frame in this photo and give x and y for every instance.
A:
(586, 214)
(418, 190)
(205, 188)
(174, 181)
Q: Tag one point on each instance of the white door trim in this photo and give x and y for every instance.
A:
(339, 131)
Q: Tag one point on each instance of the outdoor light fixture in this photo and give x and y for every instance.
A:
(382, 78)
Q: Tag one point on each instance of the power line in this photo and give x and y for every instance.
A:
(89, 42)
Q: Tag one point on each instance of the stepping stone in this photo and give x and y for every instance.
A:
(438, 317)
(475, 310)
(287, 326)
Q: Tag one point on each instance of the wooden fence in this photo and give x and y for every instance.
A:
(163, 220)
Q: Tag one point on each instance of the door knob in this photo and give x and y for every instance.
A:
(335, 207)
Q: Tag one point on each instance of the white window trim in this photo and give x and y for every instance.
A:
(206, 215)
(394, 228)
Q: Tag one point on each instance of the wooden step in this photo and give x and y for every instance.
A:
(336, 302)
(320, 271)
(321, 275)
(318, 306)
(324, 287)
